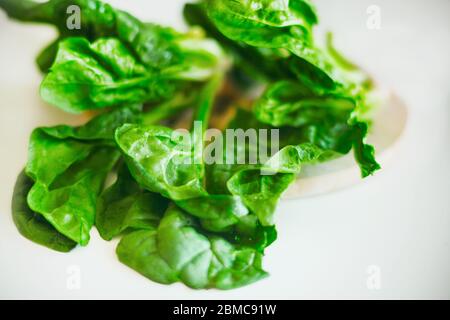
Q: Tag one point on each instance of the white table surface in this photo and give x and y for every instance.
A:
(398, 221)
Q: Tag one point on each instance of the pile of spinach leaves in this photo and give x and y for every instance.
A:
(206, 225)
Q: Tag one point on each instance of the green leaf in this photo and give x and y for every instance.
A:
(228, 216)
(125, 205)
(222, 217)
(69, 201)
(86, 77)
(260, 193)
(287, 103)
(32, 225)
(263, 23)
(154, 45)
(270, 24)
(166, 161)
(105, 73)
(216, 212)
(53, 150)
(291, 158)
(69, 166)
(249, 232)
(364, 153)
(128, 61)
(160, 162)
(253, 62)
(329, 121)
(261, 188)
(47, 56)
(179, 251)
(320, 90)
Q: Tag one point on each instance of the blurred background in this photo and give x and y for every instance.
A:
(386, 238)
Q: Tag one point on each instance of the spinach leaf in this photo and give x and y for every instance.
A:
(125, 205)
(330, 121)
(282, 31)
(156, 47)
(250, 233)
(97, 20)
(32, 225)
(160, 162)
(364, 153)
(270, 24)
(260, 186)
(287, 103)
(179, 251)
(322, 120)
(320, 91)
(100, 75)
(260, 192)
(53, 150)
(105, 73)
(216, 212)
(128, 61)
(264, 23)
(68, 201)
(229, 216)
(250, 62)
(69, 165)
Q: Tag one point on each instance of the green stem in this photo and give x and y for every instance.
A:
(206, 100)
(168, 109)
(205, 105)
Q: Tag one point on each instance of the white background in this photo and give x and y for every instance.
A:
(398, 220)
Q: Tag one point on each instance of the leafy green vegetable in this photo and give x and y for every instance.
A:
(53, 150)
(32, 225)
(320, 91)
(113, 58)
(184, 219)
(271, 24)
(262, 187)
(249, 232)
(250, 59)
(287, 103)
(331, 121)
(105, 73)
(82, 79)
(217, 212)
(179, 251)
(264, 23)
(167, 161)
(68, 166)
(125, 205)
(259, 192)
(364, 153)
(68, 200)
(323, 120)
(160, 162)
(155, 47)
